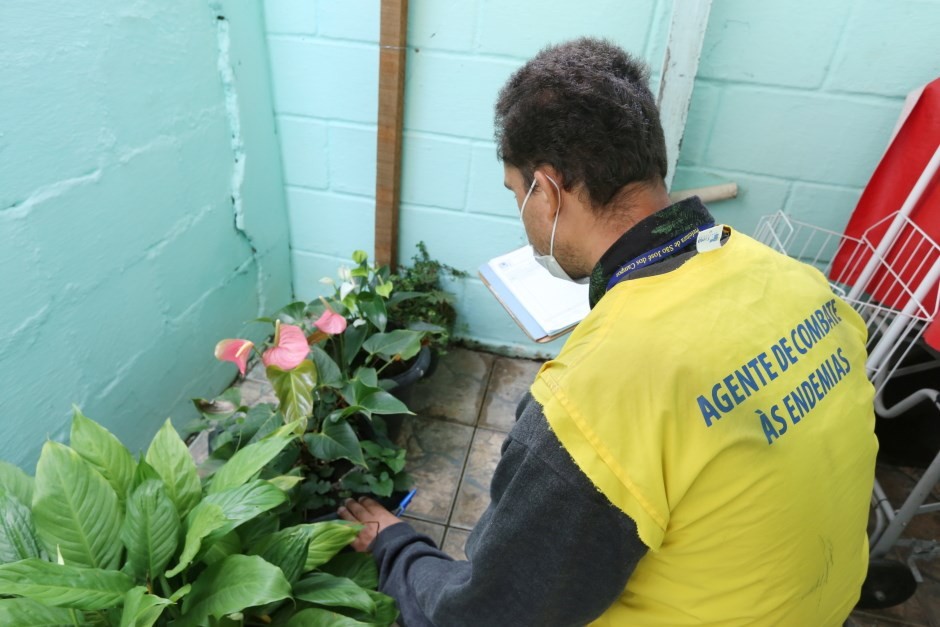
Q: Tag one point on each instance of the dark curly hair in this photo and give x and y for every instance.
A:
(585, 108)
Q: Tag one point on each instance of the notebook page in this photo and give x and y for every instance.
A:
(554, 303)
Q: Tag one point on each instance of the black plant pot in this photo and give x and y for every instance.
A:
(404, 386)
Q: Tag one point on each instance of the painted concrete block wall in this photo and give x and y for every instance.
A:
(142, 211)
(795, 101)
(324, 63)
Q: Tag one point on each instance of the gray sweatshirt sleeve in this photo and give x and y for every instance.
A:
(550, 550)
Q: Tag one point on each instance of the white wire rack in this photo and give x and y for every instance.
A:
(888, 275)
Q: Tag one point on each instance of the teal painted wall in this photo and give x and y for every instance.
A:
(142, 213)
(324, 63)
(794, 101)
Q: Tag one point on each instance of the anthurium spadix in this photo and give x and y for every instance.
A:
(235, 351)
(290, 347)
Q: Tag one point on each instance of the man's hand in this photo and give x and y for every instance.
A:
(367, 512)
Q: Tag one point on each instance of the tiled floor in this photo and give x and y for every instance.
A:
(463, 412)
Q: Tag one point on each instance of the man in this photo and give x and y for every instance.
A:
(701, 451)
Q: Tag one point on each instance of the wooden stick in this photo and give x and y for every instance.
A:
(391, 109)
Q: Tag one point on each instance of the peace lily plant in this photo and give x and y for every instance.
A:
(101, 539)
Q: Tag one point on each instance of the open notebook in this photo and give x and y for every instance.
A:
(543, 306)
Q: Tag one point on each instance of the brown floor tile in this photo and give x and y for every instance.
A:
(510, 380)
(869, 619)
(437, 451)
(431, 530)
(454, 542)
(474, 494)
(928, 593)
(456, 388)
(911, 612)
(897, 483)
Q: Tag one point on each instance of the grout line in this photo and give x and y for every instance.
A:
(473, 438)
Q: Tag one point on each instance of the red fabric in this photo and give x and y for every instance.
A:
(895, 176)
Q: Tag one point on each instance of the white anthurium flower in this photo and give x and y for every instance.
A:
(344, 273)
(358, 322)
(345, 289)
(327, 281)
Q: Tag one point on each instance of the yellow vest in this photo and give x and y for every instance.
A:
(724, 407)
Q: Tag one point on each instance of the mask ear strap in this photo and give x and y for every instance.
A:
(529, 193)
(551, 245)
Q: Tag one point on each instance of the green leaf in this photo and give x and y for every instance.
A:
(359, 257)
(328, 539)
(17, 533)
(231, 585)
(249, 461)
(386, 611)
(337, 440)
(144, 472)
(316, 617)
(353, 337)
(63, 585)
(368, 376)
(142, 609)
(179, 594)
(169, 456)
(29, 613)
(401, 343)
(17, 483)
(287, 549)
(203, 520)
(285, 483)
(328, 372)
(292, 313)
(220, 513)
(75, 510)
(104, 452)
(360, 567)
(384, 289)
(150, 531)
(372, 400)
(294, 389)
(222, 547)
(373, 308)
(245, 502)
(332, 591)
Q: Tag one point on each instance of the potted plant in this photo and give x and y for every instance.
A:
(99, 538)
(331, 364)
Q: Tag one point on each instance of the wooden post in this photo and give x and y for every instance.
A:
(391, 108)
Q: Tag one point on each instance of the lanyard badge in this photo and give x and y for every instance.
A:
(706, 237)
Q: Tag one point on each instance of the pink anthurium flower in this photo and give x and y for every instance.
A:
(290, 347)
(235, 351)
(330, 322)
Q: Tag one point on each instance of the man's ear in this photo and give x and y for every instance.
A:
(549, 188)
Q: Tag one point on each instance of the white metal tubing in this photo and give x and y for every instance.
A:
(888, 240)
(894, 330)
(908, 509)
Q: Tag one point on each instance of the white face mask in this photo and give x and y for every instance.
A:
(548, 261)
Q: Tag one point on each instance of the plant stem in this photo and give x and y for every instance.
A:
(387, 364)
(165, 586)
(74, 618)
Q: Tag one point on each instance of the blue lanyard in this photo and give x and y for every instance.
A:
(670, 248)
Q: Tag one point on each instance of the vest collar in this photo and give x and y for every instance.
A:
(648, 233)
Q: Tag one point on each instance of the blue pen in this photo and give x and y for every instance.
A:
(405, 502)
